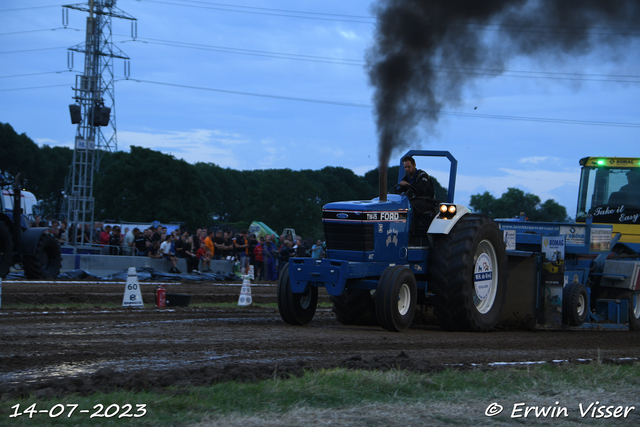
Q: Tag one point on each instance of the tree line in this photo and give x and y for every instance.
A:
(144, 185)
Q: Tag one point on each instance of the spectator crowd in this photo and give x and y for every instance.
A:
(266, 254)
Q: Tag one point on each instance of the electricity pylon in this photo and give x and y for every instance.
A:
(93, 111)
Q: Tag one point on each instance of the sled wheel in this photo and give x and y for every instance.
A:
(295, 309)
(468, 275)
(395, 299)
(6, 251)
(355, 307)
(46, 262)
(574, 304)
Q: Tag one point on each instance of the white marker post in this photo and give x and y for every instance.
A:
(132, 295)
(245, 293)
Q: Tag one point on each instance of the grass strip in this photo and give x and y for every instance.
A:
(367, 398)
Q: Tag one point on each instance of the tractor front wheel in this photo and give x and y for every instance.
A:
(295, 309)
(395, 298)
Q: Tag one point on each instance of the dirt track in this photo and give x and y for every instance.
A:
(83, 350)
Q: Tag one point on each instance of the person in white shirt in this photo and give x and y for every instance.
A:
(165, 250)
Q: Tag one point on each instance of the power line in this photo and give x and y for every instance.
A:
(543, 119)
(607, 31)
(29, 8)
(38, 74)
(360, 62)
(274, 13)
(34, 87)
(261, 95)
(37, 31)
(549, 29)
(281, 10)
(545, 72)
(358, 105)
(549, 76)
(34, 50)
(250, 52)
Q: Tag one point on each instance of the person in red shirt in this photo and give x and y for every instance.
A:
(204, 255)
(259, 257)
(105, 235)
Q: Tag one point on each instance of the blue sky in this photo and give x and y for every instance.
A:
(205, 104)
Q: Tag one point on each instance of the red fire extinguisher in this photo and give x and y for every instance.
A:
(161, 297)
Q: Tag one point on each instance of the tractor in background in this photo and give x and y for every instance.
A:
(35, 248)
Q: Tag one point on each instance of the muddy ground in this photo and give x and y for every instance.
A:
(57, 351)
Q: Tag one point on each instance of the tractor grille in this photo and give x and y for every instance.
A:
(349, 237)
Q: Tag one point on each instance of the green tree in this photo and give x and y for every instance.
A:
(282, 198)
(146, 185)
(223, 192)
(338, 184)
(372, 178)
(19, 154)
(550, 211)
(54, 170)
(515, 201)
(483, 203)
(42, 170)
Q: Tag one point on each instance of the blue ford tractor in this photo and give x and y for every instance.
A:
(377, 267)
(476, 272)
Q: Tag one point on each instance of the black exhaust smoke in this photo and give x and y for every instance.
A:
(426, 51)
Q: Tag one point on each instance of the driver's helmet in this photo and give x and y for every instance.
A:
(633, 175)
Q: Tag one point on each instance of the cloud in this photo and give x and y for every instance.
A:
(332, 151)
(349, 35)
(45, 141)
(198, 145)
(270, 158)
(533, 160)
(361, 170)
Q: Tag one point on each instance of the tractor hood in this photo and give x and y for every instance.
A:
(363, 209)
(367, 230)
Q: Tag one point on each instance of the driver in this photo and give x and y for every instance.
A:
(418, 187)
(632, 189)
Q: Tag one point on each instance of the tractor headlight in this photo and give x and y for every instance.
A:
(447, 211)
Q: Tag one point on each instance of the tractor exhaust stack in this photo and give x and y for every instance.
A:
(382, 186)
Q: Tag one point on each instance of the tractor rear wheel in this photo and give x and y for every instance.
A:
(574, 304)
(469, 275)
(355, 307)
(634, 311)
(395, 298)
(295, 309)
(6, 251)
(46, 262)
